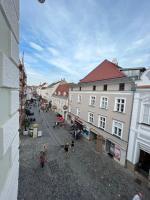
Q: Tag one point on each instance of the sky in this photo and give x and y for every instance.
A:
(68, 38)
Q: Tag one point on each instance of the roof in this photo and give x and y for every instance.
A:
(62, 88)
(105, 70)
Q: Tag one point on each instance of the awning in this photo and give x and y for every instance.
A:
(78, 121)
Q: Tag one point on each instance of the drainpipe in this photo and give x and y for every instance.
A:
(130, 123)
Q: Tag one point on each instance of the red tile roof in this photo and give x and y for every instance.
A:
(105, 70)
(63, 88)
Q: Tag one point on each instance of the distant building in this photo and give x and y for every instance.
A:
(60, 99)
(9, 99)
(101, 105)
(22, 93)
(138, 157)
(29, 92)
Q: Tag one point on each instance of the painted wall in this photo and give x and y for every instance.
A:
(139, 132)
(9, 99)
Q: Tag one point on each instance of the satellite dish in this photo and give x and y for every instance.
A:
(41, 1)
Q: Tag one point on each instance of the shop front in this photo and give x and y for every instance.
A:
(143, 166)
(97, 140)
(113, 150)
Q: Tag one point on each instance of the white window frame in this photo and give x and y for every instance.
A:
(116, 103)
(100, 119)
(113, 128)
(106, 102)
(92, 104)
(148, 114)
(89, 117)
(78, 111)
(79, 98)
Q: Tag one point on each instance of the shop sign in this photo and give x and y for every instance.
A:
(117, 152)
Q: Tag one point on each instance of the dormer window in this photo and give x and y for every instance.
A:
(65, 93)
(105, 87)
(59, 93)
(121, 87)
(94, 87)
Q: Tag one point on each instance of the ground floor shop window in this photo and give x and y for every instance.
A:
(110, 148)
(143, 165)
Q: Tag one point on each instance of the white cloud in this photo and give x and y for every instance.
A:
(36, 46)
(53, 51)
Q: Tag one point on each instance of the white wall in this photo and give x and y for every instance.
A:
(139, 132)
(9, 99)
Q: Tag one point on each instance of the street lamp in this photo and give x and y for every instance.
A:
(41, 1)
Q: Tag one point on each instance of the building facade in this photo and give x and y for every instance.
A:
(22, 93)
(60, 99)
(138, 157)
(9, 99)
(101, 106)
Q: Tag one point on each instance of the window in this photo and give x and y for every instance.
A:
(104, 102)
(80, 88)
(102, 122)
(146, 114)
(94, 87)
(117, 128)
(90, 117)
(120, 105)
(79, 98)
(92, 100)
(105, 88)
(78, 112)
(121, 86)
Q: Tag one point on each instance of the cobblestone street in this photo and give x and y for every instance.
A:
(83, 175)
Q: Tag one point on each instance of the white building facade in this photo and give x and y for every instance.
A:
(9, 99)
(138, 157)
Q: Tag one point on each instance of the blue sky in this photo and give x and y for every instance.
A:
(67, 38)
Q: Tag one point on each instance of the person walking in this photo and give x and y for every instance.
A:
(66, 148)
(72, 145)
(42, 159)
(138, 196)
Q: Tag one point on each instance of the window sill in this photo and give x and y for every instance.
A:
(103, 108)
(117, 136)
(91, 105)
(119, 112)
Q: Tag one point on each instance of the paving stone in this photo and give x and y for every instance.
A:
(81, 175)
